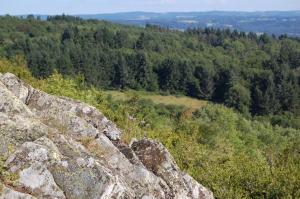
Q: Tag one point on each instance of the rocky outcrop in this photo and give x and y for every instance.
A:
(61, 148)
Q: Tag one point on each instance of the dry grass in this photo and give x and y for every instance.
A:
(159, 99)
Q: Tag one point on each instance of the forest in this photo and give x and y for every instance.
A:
(244, 143)
(256, 75)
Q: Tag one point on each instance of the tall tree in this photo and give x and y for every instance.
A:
(121, 73)
(205, 76)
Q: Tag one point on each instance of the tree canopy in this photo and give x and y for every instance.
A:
(254, 74)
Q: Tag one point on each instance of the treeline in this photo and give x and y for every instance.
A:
(254, 74)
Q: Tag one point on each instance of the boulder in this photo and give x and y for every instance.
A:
(62, 148)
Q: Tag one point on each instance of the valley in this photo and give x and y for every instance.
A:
(147, 110)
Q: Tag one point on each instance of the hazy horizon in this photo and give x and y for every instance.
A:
(75, 7)
(141, 11)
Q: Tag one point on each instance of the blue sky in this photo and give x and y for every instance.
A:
(108, 6)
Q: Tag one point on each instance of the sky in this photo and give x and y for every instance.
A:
(15, 7)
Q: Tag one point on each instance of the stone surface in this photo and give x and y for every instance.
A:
(17, 87)
(8, 193)
(61, 148)
(157, 159)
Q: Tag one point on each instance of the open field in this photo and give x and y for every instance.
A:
(159, 99)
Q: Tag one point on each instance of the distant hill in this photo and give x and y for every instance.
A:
(272, 22)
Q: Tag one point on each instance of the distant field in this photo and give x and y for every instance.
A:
(159, 99)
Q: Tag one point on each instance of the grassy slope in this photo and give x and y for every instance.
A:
(188, 102)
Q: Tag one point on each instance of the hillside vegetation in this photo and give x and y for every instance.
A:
(187, 102)
(256, 75)
(234, 156)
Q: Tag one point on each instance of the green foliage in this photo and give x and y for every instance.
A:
(234, 155)
(17, 66)
(5, 176)
(238, 97)
(198, 62)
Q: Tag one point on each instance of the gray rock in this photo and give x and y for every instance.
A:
(16, 130)
(96, 182)
(8, 193)
(31, 162)
(38, 180)
(62, 148)
(157, 159)
(196, 190)
(11, 105)
(15, 85)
